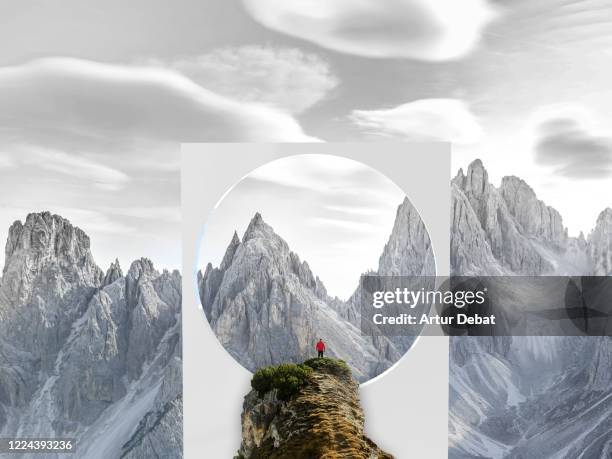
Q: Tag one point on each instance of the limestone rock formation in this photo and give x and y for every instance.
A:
(324, 419)
(267, 307)
(48, 278)
(88, 353)
(470, 248)
(408, 251)
(508, 241)
(113, 273)
(534, 217)
(600, 244)
(525, 396)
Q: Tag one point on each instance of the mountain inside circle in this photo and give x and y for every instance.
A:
(267, 307)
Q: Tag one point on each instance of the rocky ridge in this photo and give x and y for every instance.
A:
(508, 230)
(88, 354)
(324, 419)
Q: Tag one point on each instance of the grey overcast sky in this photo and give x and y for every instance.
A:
(96, 96)
(335, 213)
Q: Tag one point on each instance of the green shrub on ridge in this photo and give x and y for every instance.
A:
(287, 378)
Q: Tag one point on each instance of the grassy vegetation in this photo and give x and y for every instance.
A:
(287, 378)
(329, 366)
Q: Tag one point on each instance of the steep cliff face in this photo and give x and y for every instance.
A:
(408, 251)
(510, 244)
(48, 279)
(525, 396)
(267, 307)
(159, 432)
(324, 419)
(87, 352)
(113, 273)
(535, 218)
(470, 249)
(600, 244)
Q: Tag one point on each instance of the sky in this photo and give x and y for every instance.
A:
(335, 213)
(128, 208)
(96, 97)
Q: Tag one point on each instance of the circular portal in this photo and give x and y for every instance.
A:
(282, 255)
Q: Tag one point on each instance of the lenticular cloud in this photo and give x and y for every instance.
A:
(424, 119)
(430, 30)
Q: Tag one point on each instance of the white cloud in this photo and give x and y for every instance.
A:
(70, 101)
(425, 119)
(309, 171)
(348, 225)
(431, 30)
(77, 166)
(360, 211)
(165, 213)
(6, 161)
(285, 78)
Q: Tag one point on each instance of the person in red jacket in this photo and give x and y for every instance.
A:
(320, 348)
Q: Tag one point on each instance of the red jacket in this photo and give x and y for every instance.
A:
(320, 346)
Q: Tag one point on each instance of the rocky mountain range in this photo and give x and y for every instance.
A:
(267, 307)
(526, 397)
(87, 354)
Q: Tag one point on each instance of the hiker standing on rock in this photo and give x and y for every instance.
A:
(320, 348)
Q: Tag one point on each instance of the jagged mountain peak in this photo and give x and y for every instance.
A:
(230, 252)
(605, 215)
(536, 219)
(46, 249)
(47, 235)
(141, 267)
(84, 347)
(266, 306)
(408, 250)
(477, 177)
(475, 181)
(524, 234)
(476, 164)
(513, 181)
(260, 241)
(600, 244)
(257, 228)
(113, 273)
